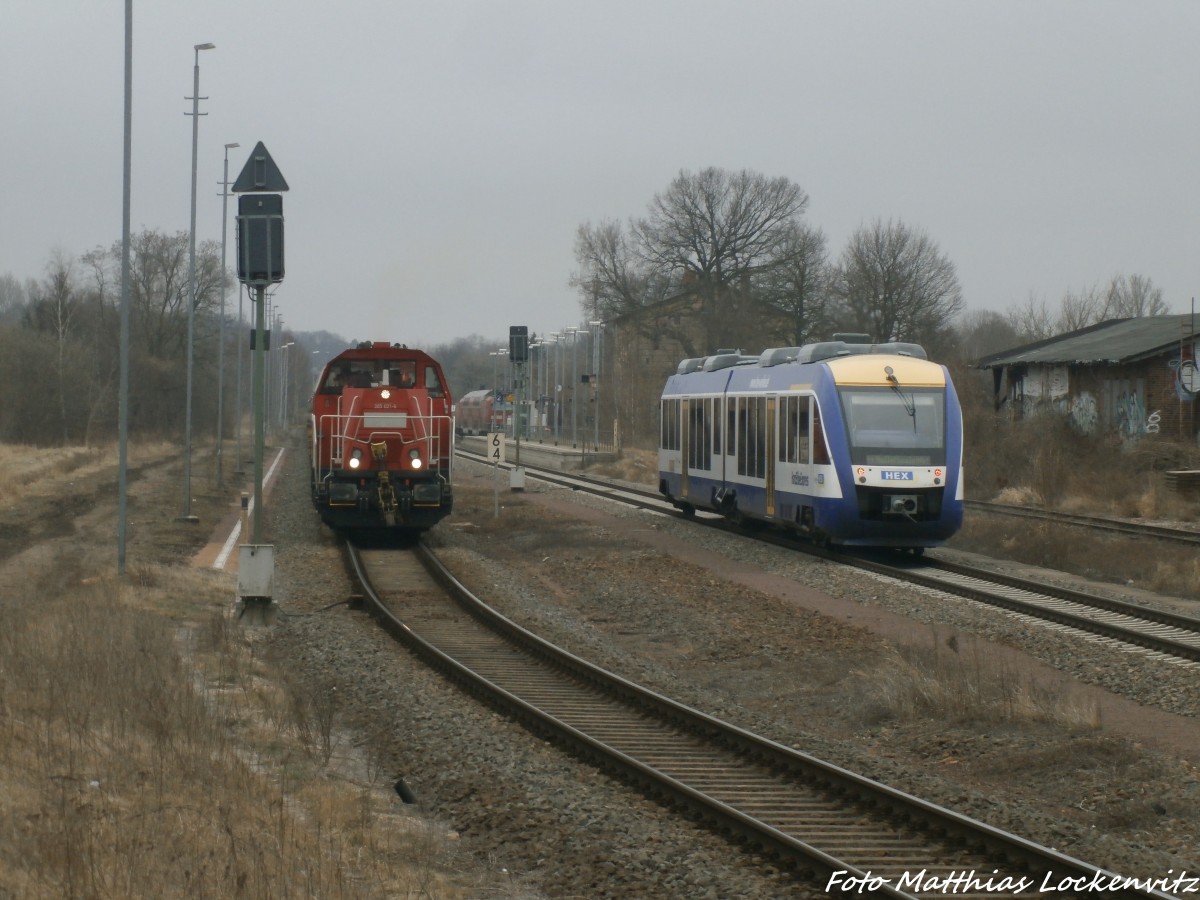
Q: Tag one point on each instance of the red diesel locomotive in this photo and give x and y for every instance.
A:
(382, 440)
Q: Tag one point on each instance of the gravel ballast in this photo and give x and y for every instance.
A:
(807, 653)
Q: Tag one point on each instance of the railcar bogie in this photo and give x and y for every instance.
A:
(844, 442)
(382, 441)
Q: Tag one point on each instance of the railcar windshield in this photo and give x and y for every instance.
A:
(895, 426)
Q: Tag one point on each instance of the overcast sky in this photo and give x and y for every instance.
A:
(441, 155)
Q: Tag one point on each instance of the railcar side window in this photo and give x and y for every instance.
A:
(718, 413)
(820, 449)
(731, 438)
(793, 419)
(698, 429)
(752, 436)
(669, 436)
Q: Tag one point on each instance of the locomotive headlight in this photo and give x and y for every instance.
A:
(414, 456)
(385, 393)
(356, 456)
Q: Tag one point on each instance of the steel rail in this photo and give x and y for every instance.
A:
(1100, 523)
(1142, 626)
(747, 751)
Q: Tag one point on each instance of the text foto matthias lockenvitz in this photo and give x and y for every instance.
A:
(971, 882)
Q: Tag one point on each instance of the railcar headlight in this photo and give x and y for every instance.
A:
(414, 456)
(385, 393)
(355, 458)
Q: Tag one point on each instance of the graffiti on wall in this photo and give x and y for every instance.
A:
(1131, 418)
(1084, 413)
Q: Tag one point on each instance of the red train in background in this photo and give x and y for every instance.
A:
(479, 412)
(382, 440)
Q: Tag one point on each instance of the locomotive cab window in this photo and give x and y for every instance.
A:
(433, 384)
(402, 374)
(335, 380)
(895, 427)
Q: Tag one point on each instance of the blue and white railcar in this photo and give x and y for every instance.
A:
(855, 444)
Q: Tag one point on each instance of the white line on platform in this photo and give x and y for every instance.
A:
(231, 541)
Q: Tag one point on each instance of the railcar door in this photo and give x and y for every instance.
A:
(685, 417)
(772, 432)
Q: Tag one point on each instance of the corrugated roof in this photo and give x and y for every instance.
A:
(1113, 342)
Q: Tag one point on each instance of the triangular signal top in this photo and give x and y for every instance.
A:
(260, 174)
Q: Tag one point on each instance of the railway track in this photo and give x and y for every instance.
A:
(1096, 523)
(1158, 632)
(841, 831)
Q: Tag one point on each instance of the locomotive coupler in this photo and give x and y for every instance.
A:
(387, 498)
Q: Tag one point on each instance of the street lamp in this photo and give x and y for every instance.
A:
(221, 339)
(597, 338)
(191, 288)
(283, 389)
(495, 355)
(553, 383)
(535, 386)
(574, 333)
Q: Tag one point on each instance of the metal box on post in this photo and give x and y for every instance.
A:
(256, 571)
(260, 238)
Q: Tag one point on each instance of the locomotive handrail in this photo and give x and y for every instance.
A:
(338, 433)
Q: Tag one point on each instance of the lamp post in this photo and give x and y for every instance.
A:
(191, 288)
(535, 390)
(597, 337)
(123, 389)
(574, 333)
(495, 355)
(221, 334)
(552, 385)
(283, 375)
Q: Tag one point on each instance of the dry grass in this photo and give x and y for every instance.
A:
(26, 469)
(637, 466)
(132, 769)
(148, 750)
(1040, 463)
(943, 683)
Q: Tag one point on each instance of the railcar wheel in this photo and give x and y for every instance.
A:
(689, 511)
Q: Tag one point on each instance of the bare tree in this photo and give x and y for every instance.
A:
(1133, 296)
(714, 230)
(896, 284)
(713, 234)
(612, 279)
(798, 285)
(12, 296)
(981, 332)
(1080, 309)
(1032, 320)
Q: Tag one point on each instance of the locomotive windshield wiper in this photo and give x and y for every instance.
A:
(909, 406)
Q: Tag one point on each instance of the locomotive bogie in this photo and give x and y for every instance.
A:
(852, 444)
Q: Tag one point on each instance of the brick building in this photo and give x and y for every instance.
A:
(1130, 377)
